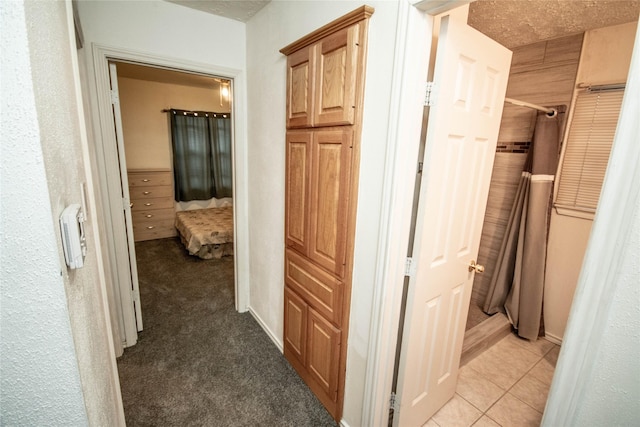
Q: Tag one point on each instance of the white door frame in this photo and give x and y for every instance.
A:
(105, 144)
(413, 39)
(411, 64)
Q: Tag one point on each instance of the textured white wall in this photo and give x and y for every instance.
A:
(40, 375)
(165, 29)
(606, 53)
(614, 392)
(275, 26)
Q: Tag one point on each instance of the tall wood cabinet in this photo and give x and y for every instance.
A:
(325, 83)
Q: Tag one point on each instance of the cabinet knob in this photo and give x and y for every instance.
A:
(148, 204)
(151, 227)
(147, 193)
(149, 216)
(145, 180)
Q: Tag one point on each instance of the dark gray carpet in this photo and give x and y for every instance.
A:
(200, 363)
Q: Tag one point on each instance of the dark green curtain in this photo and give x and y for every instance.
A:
(220, 135)
(201, 155)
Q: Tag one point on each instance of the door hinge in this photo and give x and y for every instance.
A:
(126, 204)
(115, 99)
(429, 94)
(393, 402)
(409, 267)
(420, 166)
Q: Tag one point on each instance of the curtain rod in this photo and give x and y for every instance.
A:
(195, 113)
(550, 111)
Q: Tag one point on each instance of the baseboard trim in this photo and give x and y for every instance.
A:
(552, 338)
(263, 325)
(343, 423)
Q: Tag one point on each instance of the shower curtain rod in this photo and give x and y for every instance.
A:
(550, 111)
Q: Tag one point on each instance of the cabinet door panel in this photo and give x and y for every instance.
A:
(323, 353)
(295, 325)
(297, 190)
(300, 83)
(320, 289)
(336, 70)
(330, 198)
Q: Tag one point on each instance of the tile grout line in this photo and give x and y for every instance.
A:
(514, 384)
(541, 357)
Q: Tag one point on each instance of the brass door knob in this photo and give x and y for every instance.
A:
(473, 266)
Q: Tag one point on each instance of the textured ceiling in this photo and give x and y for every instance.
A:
(510, 22)
(240, 10)
(515, 23)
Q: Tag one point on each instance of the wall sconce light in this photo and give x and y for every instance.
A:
(224, 92)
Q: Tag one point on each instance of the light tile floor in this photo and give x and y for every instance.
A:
(506, 386)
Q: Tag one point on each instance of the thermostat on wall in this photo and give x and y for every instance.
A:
(73, 240)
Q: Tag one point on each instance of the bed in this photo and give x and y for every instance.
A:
(206, 233)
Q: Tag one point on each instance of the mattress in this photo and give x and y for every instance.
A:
(207, 233)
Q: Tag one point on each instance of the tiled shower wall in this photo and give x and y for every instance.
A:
(542, 73)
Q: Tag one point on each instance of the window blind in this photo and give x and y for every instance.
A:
(589, 143)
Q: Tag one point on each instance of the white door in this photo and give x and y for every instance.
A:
(470, 77)
(130, 310)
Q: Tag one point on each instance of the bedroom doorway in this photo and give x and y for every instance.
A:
(155, 150)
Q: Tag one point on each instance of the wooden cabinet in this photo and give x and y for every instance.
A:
(300, 88)
(298, 173)
(336, 73)
(325, 83)
(330, 197)
(321, 80)
(152, 210)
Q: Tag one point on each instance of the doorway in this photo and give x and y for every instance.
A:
(148, 99)
(111, 184)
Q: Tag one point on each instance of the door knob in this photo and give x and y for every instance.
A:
(473, 266)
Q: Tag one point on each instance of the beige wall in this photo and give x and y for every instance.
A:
(606, 55)
(147, 133)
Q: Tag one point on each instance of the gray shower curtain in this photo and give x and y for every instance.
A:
(517, 286)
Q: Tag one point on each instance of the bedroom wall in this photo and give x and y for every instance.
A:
(275, 26)
(147, 130)
(57, 365)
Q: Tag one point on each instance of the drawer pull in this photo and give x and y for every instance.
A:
(151, 227)
(149, 216)
(148, 204)
(146, 180)
(147, 193)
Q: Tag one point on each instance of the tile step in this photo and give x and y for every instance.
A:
(482, 336)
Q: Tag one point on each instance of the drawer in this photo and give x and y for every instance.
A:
(319, 289)
(148, 230)
(149, 192)
(146, 215)
(151, 204)
(146, 179)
